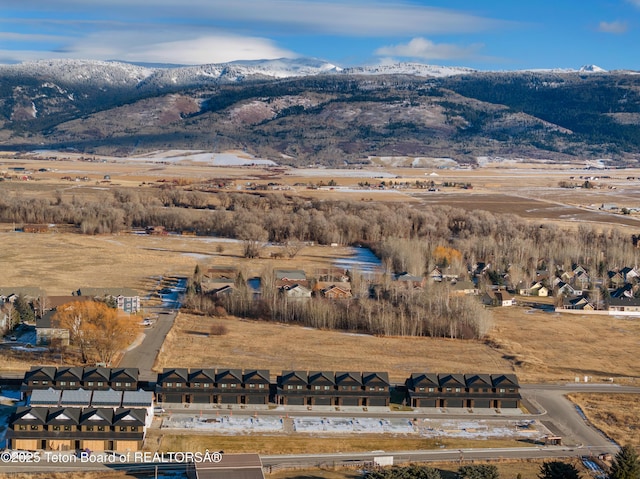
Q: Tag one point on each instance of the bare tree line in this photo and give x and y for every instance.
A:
(404, 236)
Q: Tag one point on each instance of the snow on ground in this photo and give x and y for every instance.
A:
(462, 428)
(199, 156)
(346, 173)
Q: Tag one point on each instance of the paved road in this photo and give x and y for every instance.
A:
(144, 355)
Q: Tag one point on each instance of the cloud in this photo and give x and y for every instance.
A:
(154, 47)
(348, 17)
(613, 27)
(424, 49)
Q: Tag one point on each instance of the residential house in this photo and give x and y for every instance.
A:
(322, 388)
(295, 292)
(579, 302)
(292, 388)
(127, 300)
(624, 304)
(290, 277)
(75, 428)
(349, 389)
(464, 287)
(337, 291)
(410, 281)
(498, 297)
(376, 388)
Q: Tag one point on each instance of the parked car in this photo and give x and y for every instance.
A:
(13, 337)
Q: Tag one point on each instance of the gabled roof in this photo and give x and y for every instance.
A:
(451, 380)
(423, 380)
(256, 376)
(69, 373)
(40, 372)
(202, 375)
(96, 416)
(124, 374)
(348, 378)
(321, 377)
(375, 378)
(478, 381)
(173, 374)
(64, 415)
(129, 417)
(96, 374)
(290, 275)
(624, 301)
(229, 375)
(30, 415)
(504, 380)
(404, 276)
(293, 377)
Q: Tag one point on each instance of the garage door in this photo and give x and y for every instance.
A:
(510, 404)
(350, 402)
(455, 403)
(295, 401)
(323, 401)
(256, 400)
(229, 399)
(201, 398)
(378, 402)
(93, 445)
(426, 403)
(482, 403)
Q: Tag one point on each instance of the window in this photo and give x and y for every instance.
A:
(289, 386)
(134, 428)
(420, 389)
(169, 385)
(22, 427)
(381, 388)
(101, 428)
(178, 385)
(44, 383)
(123, 428)
(127, 385)
(233, 385)
(118, 384)
(62, 383)
(448, 390)
(196, 385)
(344, 388)
(206, 385)
(326, 388)
(35, 382)
(67, 428)
(100, 384)
(224, 385)
(299, 386)
(56, 428)
(90, 384)
(260, 386)
(317, 388)
(458, 390)
(34, 427)
(502, 390)
(372, 388)
(88, 428)
(432, 390)
(72, 383)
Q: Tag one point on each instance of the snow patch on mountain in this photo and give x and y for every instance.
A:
(408, 68)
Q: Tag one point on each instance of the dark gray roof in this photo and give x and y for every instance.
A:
(371, 377)
(137, 398)
(64, 415)
(107, 398)
(30, 415)
(348, 377)
(129, 417)
(99, 417)
(75, 397)
(124, 374)
(45, 397)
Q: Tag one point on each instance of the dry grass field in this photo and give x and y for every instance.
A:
(277, 347)
(617, 415)
(267, 444)
(538, 346)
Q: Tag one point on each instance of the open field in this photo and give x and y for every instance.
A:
(280, 347)
(167, 440)
(617, 415)
(538, 346)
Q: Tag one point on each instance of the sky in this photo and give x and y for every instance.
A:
(482, 34)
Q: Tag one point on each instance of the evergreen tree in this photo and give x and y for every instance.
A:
(24, 309)
(479, 471)
(558, 470)
(626, 464)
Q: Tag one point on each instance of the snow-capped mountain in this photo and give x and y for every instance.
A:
(405, 68)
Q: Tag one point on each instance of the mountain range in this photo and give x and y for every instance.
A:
(309, 111)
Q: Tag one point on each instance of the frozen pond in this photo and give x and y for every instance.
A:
(361, 260)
